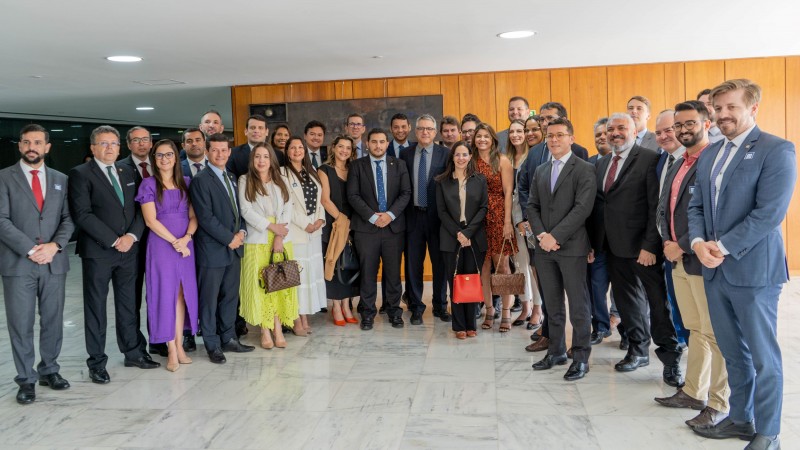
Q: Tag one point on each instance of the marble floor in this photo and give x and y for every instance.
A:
(343, 388)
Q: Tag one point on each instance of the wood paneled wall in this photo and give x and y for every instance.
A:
(588, 93)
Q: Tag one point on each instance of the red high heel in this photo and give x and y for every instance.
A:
(339, 323)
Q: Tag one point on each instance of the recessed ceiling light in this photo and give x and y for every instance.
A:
(516, 34)
(124, 58)
(145, 108)
(56, 129)
(155, 134)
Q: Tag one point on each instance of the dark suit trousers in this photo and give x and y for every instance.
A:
(680, 330)
(20, 295)
(373, 248)
(120, 269)
(556, 274)
(637, 287)
(141, 263)
(598, 275)
(545, 323)
(421, 233)
(218, 291)
(463, 313)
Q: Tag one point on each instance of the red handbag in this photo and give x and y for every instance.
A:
(467, 287)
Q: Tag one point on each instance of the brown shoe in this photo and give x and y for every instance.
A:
(708, 417)
(681, 400)
(539, 345)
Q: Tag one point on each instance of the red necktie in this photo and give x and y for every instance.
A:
(145, 173)
(612, 173)
(37, 189)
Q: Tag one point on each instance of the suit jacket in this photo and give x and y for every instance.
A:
(563, 212)
(216, 222)
(625, 217)
(438, 164)
(300, 219)
(22, 225)
(449, 209)
(323, 155)
(97, 212)
(390, 151)
(364, 199)
(681, 218)
(239, 161)
(752, 202)
(256, 213)
(649, 141)
(128, 161)
(502, 141)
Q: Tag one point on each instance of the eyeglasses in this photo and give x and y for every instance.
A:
(468, 132)
(532, 130)
(428, 129)
(355, 125)
(559, 136)
(145, 140)
(547, 119)
(688, 125)
(105, 144)
(169, 155)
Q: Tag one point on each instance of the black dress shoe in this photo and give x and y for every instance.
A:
(381, 310)
(445, 316)
(216, 356)
(727, 429)
(672, 376)
(397, 322)
(517, 306)
(159, 349)
(576, 371)
(708, 417)
(142, 363)
(55, 381)
(536, 336)
(598, 336)
(366, 325)
(761, 442)
(237, 347)
(323, 310)
(189, 344)
(26, 394)
(241, 329)
(569, 353)
(149, 358)
(624, 344)
(631, 363)
(549, 361)
(416, 318)
(99, 376)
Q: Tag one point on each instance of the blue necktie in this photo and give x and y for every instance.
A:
(400, 148)
(422, 180)
(554, 174)
(714, 174)
(381, 187)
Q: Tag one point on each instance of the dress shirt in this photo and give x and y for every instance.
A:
(193, 169)
(686, 162)
(26, 169)
(221, 175)
(396, 145)
(428, 159)
(311, 154)
(137, 162)
(385, 170)
(359, 149)
(640, 136)
(677, 155)
(623, 156)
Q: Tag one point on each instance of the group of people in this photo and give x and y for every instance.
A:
(655, 216)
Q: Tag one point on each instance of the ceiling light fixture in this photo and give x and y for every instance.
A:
(56, 129)
(124, 58)
(145, 108)
(516, 34)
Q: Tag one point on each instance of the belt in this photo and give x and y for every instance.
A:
(420, 208)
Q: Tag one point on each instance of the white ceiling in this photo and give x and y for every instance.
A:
(211, 45)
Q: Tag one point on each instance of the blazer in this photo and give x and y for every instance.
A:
(323, 155)
(625, 217)
(752, 202)
(128, 161)
(449, 210)
(258, 212)
(239, 161)
(363, 197)
(563, 212)
(216, 222)
(691, 264)
(99, 216)
(438, 164)
(649, 141)
(23, 226)
(390, 150)
(300, 220)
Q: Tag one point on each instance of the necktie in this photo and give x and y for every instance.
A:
(400, 148)
(36, 185)
(714, 174)
(314, 161)
(670, 162)
(145, 173)
(115, 183)
(612, 173)
(422, 180)
(554, 174)
(381, 188)
(198, 167)
(230, 195)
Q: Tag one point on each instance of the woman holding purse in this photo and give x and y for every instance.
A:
(462, 201)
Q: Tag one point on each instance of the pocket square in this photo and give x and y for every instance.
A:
(132, 183)
(57, 187)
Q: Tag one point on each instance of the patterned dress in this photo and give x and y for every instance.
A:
(496, 215)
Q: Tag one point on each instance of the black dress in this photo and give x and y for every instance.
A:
(338, 195)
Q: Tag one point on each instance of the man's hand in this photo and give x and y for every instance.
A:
(672, 251)
(646, 258)
(590, 258)
(238, 240)
(708, 253)
(383, 220)
(548, 243)
(462, 239)
(44, 253)
(124, 243)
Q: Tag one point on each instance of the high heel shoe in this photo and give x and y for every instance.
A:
(488, 321)
(266, 341)
(339, 323)
(184, 360)
(519, 322)
(280, 343)
(535, 326)
(350, 319)
(173, 367)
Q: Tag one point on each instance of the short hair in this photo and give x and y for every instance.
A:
(469, 117)
(425, 117)
(601, 122)
(191, 130)
(562, 111)
(399, 116)
(642, 99)
(562, 121)
(212, 111)
(315, 124)
(102, 129)
(256, 117)
(136, 128)
(448, 120)
(666, 111)
(752, 91)
(217, 137)
(517, 98)
(703, 92)
(377, 131)
(346, 121)
(693, 105)
(624, 116)
(34, 128)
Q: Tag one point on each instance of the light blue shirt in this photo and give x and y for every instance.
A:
(415, 175)
(221, 174)
(385, 171)
(640, 136)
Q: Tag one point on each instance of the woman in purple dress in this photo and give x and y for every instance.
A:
(170, 273)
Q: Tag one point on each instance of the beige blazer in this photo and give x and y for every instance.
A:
(300, 220)
(265, 210)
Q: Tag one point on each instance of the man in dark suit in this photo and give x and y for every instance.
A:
(400, 128)
(743, 187)
(314, 134)
(706, 386)
(379, 189)
(468, 124)
(424, 161)
(194, 144)
(110, 224)
(218, 243)
(449, 131)
(33, 233)
(355, 127)
(639, 110)
(623, 224)
(255, 131)
(210, 123)
(561, 199)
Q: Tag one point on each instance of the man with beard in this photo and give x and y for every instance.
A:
(194, 144)
(517, 109)
(714, 135)
(314, 134)
(468, 124)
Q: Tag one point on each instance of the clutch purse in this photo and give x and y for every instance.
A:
(281, 275)
(508, 283)
(467, 287)
(347, 266)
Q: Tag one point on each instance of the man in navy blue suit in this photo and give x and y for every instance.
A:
(400, 128)
(743, 188)
(194, 144)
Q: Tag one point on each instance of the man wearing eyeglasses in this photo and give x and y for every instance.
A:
(354, 128)
(517, 109)
(108, 243)
(468, 124)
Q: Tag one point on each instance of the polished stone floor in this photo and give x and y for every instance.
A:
(343, 388)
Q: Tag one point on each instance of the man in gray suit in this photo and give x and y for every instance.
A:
(561, 199)
(639, 110)
(33, 234)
